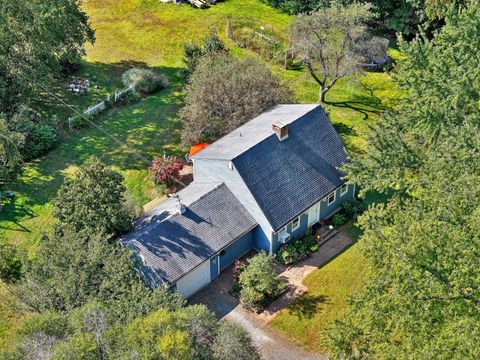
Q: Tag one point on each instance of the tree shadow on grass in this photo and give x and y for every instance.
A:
(147, 128)
(306, 306)
(363, 104)
(16, 213)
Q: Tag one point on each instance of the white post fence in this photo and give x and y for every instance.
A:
(101, 106)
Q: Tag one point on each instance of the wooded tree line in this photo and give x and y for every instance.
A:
(403, 16)
(422, 299)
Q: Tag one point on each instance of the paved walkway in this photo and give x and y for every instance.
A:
(272, 345)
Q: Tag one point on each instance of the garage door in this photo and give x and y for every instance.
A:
(195, 280)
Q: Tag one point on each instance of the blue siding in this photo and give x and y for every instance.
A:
(326, 211)
(236, 249)
(214, 267)
(294, 234)
(260, 240)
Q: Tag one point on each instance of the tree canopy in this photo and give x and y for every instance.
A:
(422, 299)
(39, 39)
(93, 199)
(331, 42)
(10, 157)
(224, 92)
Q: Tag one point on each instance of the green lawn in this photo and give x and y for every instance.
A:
(150, 33)
(306, 320)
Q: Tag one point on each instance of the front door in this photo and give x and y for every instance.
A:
(313, 214)
(214, 267)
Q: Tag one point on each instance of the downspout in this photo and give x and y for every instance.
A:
(271, 243)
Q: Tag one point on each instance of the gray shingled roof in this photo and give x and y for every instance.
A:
(288, 177)
(173, 245)
(252, 132)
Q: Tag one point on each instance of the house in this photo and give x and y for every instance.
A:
(260, 186)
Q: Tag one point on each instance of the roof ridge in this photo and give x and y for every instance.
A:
(255, 131)
(272, 134)
(207, 193)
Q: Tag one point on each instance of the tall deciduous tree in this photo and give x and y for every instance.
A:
(93, 199)
(225, 92)
(422, 299)
(331, 42)
(194, 52)
(39, 39)
(233, 342)
(10, 157)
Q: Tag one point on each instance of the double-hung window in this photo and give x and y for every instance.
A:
(331, 198)
(296, 223)
(343, 189)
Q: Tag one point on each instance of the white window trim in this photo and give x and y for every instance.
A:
(282, 230)
(341, 189)
(334, 198)
(293, 223)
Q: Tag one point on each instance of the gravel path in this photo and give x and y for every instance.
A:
(272, 345)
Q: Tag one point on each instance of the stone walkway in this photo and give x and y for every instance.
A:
(272, 345)
(295, 274)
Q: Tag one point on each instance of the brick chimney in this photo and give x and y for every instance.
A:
(281, 129)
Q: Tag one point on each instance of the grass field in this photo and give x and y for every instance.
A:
(306, 320)
(149, 33)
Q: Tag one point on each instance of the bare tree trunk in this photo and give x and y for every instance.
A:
(323, 91)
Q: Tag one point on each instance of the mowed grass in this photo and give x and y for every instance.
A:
(129, 33)
(148, 33)
(307, 319)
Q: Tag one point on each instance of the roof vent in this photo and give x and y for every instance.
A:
(180, 206)
(281, 129)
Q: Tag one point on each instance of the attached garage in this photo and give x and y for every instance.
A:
(236, 249)
(184, 244)
(194, 280)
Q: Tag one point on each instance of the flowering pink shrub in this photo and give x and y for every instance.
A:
(166, 170)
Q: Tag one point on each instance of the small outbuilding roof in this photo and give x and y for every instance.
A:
(171, 244)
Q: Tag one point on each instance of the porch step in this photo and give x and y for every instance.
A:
(325, 237)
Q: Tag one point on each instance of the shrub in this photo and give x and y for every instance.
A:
(259, 283)
(145, 81)
(129, 98)
(297, 250)
(232, 343)
(10, 263)
(39, 139)
(80, 121)
(339, 220)
(166, 170)
(38, 135)
(238, 268)
(352, 208)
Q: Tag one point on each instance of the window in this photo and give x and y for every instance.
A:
(331, 198)
(343, 189)
(296, 223)
(282, 230)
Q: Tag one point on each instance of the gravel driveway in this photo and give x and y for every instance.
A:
(272, 345)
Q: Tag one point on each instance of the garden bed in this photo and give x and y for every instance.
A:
(298, 249)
